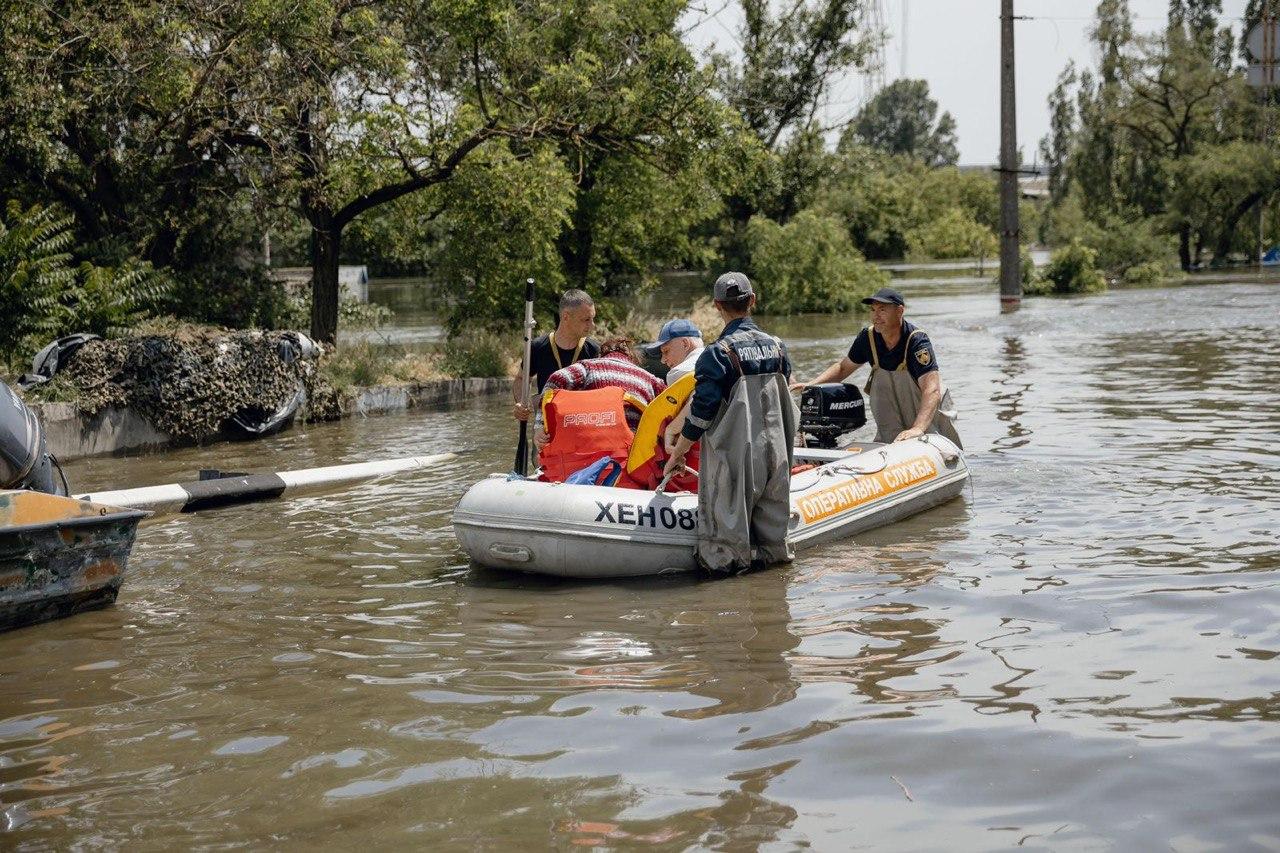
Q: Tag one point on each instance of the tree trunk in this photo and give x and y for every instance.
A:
(1184, 247)
(577, 242)
(1228, 232)
(326, 238)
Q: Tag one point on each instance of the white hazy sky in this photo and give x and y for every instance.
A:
(955, 46)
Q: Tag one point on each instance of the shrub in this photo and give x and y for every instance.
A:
(1027, 270)
(1073, 269)
(1149, 272)
(35, 270)
(235, 296)
(361, 363)
(481, 354)
(109, 301)
(1123, 243)
(954, 234)
(809, 264)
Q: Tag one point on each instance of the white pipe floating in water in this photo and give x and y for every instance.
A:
(245, 488)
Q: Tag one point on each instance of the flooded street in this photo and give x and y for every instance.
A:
(1081, 653)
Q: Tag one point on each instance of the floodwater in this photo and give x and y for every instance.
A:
(1080, 654)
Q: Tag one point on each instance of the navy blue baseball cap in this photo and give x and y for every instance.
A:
(673, 329)
(887, 295)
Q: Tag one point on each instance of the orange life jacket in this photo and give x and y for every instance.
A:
(585, 425)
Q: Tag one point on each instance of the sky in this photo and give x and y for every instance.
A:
(955, 46)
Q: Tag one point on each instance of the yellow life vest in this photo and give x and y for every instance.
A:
(649, 431)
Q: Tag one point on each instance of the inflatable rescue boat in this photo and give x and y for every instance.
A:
(593, 531)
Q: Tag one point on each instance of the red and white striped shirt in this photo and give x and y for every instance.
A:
(614, 370)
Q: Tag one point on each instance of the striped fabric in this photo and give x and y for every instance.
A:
(609, 371)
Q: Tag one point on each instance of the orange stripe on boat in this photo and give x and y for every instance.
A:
(844, 496)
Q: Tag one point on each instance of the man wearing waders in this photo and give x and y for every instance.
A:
(743, 415)
(908, 398)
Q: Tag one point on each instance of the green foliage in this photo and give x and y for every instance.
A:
(903, 119)
(1212, 190)
(237, 297)
(955, 234)
(1122, 241)
(108, 301)
(361, 362)
(1027, 272)
(492, 239)
(480, 354)
(882, 198)
(35, 271)
(1148, 272)
(809, 264)
(789, 58)
(1071, 269)
(1160, 130)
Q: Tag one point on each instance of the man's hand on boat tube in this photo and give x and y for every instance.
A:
(909, 433)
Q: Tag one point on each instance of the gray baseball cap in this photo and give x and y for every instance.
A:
(731, 285)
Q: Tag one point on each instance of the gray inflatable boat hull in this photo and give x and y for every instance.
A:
(604, 532)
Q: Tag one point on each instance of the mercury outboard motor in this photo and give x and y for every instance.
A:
(24, 461)
(830, 410)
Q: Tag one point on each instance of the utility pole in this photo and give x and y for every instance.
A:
(902, 57)
(1268, 84)
(1010, 274)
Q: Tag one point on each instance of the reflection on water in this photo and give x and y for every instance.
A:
(1081, 653)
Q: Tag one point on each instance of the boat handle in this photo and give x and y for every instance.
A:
(949, 457)
(515, 553)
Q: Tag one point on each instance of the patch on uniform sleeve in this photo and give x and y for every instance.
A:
(922, 356)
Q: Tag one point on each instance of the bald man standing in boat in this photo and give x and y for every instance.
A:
(908, 398)
(567, 344)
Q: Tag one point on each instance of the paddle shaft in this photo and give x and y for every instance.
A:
(522, 446)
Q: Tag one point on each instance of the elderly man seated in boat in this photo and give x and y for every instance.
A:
(592, 409)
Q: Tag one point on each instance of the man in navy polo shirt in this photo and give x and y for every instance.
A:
(908, 398)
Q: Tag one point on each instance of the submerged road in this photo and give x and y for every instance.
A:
(1080, 654)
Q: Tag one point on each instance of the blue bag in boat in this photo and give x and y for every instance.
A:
(603, 472)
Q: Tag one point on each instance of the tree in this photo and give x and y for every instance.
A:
(790, 57)
(903, 119)
(393, 98)
(115, 111)
(325, 108)
(1214, 188)
(1130, 144)
(1056, 147)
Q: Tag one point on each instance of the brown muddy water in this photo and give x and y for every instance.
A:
(1079, 654)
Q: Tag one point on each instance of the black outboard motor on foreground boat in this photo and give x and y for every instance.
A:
(24, 461)
(828, 411)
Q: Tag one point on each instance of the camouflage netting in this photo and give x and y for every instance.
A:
(188, 383)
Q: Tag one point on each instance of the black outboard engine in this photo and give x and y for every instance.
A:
(24, 461)
(827, 411)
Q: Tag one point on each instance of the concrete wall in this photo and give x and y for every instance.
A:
(71, 434)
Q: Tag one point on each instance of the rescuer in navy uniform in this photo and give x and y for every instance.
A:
(745, 418)
(908, 398)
